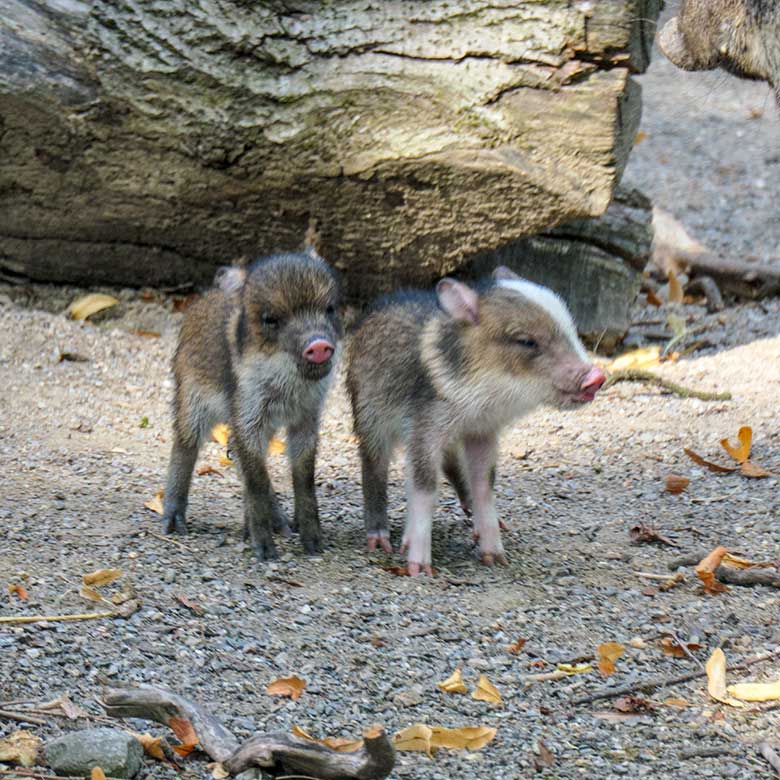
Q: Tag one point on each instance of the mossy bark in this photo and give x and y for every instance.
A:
(147, 141)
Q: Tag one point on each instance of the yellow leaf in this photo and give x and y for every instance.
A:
(706, 571)
(97, 774)
(464, 738)
(276, 446)
(152, 745)
(417, 738)
(101, 577)
(91, 304)
(220, 433)
(741, 452)
(716, 679)
(21, 748)
(156, 504)
(486, 691)
(574, 668)
(89, 593)
(225, 461)
(19, 590)
(756, 691)
(647, 357)
(609, 652)
(339, 744)
(675, 288)
(287, 686)
(454, 683)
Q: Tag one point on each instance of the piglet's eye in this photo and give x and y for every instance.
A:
(527, 343)
(269, 321)
(330, 310)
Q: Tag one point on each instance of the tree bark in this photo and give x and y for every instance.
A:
(148, 141)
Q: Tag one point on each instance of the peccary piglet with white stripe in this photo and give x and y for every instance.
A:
(257, 352)
(446, 373)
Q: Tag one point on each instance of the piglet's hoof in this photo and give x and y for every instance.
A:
(488, 559)
(265, 551)
(174, 523)
(420, 568)
(379, 540)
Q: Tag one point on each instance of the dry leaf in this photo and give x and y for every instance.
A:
(90, 594)
(675, 484)
(454, 683)
(416, 738)
(706, 571)
(19, 590)
(287, 686)
(218, 772)
(225, 461)
(708, 464)
(66, 707)
(675, 650)
(276, 446)
(741, 452)
(716, 679)
(20, 748)
(185, 733)
(184, 749)
(609, 652)
(186, 602)
(97, 774)
(638, 138)
(145, 334)
(543, 757)
(220, 433)
(646, 357)
(152, 745)
(681, 703)
(672, 582)
(675, 288)
(182, 303)
(633, 704)
(464, 738)
(756, 691)
(203, 470)
(653, 299)
(339, 744)
(517, 646)
(574, 668)
(753, 470)
(101, 577)
(156, 504)
(742, 563)
(486, 691)
(646, 533)
(91, 304)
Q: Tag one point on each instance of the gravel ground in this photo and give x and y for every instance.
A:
(79, 463)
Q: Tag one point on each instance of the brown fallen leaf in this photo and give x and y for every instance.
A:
(675, 484)
(635, 704)
(189, 603)
(20, 748)
(742, 563)
(18, 590)
(517, 646)
(204, 470)
(86, 306)
(708, 464)
(705, 570)
(675, 288)
(64, 705)
(152, 745)
(156, 503)
(740, 452)
(101, 577)
(221, 434)
(454, 683)
(542, 757)
(414, 738)
(608, 653)
(339, 744)
(756, 691)
(675, 650)
(716, 679)
(90, 594)
(185, 733)
(97, 774)
(463, 738)
(287, 686)
(680, 703)
(486, 691)
(644, 533)
(753, 470)
(653, 299)
(145, 334)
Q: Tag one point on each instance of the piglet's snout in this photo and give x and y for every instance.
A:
(318, 351)
(593, 380)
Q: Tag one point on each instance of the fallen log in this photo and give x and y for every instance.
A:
(278, 754)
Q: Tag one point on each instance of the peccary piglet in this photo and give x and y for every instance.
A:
(257, 352)
(446, 373)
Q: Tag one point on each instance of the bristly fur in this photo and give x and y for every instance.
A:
(240, 361)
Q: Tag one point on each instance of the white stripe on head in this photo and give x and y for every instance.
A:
(552, 303)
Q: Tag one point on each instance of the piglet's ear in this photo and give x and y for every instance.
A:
(230, 278)
(504, 274)
(458, 300)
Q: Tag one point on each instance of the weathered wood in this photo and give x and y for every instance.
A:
(149, 141)
(276, 754)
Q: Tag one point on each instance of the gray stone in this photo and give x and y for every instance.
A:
(78, 753)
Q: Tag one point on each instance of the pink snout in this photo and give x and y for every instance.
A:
(318, 351)
(594, 379)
